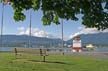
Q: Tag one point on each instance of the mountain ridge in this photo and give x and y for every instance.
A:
(23, 41)
(97, 39)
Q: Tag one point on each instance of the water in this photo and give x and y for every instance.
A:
(9, 49)
(101, 49)
(6, 49)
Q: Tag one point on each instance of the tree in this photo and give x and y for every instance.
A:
(95, 12)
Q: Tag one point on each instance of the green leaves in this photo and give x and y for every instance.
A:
(36, 4)
(93, 11)
(18, 16)
(47, 18)
(94, 15)
(56, 20)
(0, 1)
(19, 6)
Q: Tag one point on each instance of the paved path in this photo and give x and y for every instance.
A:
(100, 55)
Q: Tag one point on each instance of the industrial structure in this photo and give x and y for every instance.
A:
(77, 46)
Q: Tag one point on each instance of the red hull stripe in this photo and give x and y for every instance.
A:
(77, 48)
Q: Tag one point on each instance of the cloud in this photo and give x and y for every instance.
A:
(84, 30)
(105, 30)
(20, 28)
(34, 32)
(39, 33)
(79, 28)
(64, 37)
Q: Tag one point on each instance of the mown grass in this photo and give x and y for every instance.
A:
(8, 62)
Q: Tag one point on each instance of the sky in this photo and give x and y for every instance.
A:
(11, 27)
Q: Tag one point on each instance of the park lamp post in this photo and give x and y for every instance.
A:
(30, 29)
(4, 2)
(62, 33)
(62, 36)
(2, 21)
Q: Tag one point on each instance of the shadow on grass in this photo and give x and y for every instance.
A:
(49, 62)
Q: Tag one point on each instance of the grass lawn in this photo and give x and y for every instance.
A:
(8, 62)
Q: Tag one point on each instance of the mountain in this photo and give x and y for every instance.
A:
(97, 39)
(23, 41)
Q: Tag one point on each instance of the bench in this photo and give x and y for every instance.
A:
(36, 51)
